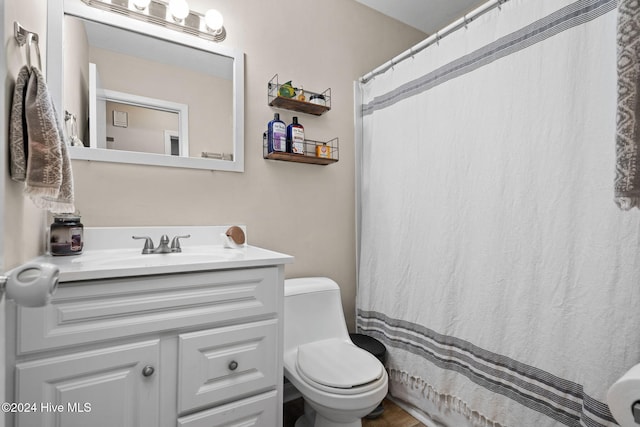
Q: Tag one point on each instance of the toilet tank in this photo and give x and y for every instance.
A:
(312, 311)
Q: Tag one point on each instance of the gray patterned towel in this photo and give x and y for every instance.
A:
(49, 180)
(627, 182)
(18, 148)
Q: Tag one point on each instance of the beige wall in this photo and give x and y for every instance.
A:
(304, 210)
(21, 230)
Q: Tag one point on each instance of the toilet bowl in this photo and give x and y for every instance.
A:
(340, 382)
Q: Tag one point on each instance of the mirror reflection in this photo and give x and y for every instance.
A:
(132, 92)
(142, 129)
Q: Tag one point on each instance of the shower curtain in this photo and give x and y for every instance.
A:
(492, 261)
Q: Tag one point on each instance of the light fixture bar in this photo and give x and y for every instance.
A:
(158, 13)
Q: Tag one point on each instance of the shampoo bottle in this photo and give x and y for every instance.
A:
(295, 137)
(276, 135)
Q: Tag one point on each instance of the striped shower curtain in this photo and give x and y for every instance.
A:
(493, 263)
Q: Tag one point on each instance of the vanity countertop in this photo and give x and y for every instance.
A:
(110, 252)
(111, 263)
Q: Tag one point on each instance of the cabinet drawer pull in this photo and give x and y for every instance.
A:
(147, 371)
(233, 365)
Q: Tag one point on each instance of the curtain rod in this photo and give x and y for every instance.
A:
(434, 38)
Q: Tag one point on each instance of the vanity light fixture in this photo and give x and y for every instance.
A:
(174, 14)
(141, 4)
(213, 20)
(179, 9)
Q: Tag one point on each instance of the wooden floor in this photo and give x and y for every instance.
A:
(393, 416)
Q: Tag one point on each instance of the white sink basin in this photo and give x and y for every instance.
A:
(127, 258)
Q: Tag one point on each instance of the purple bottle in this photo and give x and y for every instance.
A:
(276, 135)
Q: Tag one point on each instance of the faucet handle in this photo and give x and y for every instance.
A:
(148, 244)
(175, 243)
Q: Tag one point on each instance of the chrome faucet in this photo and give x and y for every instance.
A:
(163, 247)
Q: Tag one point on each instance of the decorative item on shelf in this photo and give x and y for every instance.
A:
(297, 99)
(287, 90)
(317, 99)
(175, 15)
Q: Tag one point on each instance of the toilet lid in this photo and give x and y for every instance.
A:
(339, 364)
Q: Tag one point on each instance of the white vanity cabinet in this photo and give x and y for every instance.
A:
(195, 348)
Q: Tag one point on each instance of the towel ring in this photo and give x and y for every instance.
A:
(25, 37)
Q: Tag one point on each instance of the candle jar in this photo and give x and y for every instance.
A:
(318, 99)
(66, 235)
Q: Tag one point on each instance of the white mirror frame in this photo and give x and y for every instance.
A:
(55, 78)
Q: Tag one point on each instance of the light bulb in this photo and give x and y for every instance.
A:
(179, 9)
(213, 19)
(141, 4)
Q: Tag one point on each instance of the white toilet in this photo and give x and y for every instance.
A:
(340, 382)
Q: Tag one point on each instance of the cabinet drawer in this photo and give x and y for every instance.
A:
(255, 411)
(83, 312)
(219, 365)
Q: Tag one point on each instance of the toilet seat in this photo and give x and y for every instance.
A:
(338, 366)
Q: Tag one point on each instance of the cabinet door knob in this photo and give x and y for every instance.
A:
(233, 365)
(147, 371)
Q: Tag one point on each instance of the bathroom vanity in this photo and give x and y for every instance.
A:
(187, 339)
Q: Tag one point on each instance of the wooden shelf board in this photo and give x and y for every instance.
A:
(300, 158)
(301, 106)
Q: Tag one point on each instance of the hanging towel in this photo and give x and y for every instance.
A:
(627, 182)
(49, 180)
(18, 140)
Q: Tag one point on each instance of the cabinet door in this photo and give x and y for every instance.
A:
(259, 411)
(222, 364)
(114, 386)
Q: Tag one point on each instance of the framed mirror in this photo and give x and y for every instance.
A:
(142, 93)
